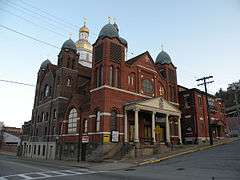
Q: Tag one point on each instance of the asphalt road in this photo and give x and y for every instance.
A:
(219, 163)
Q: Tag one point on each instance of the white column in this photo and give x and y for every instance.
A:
(179, 130)
(167, 129)
(153, 127)
(125, 127)
(136, 129)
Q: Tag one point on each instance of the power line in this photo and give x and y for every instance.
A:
(38, 15)
(16, 82)
(30, 37)
(21, 17)
(45, 12)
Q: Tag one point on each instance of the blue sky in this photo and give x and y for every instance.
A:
(202, 37)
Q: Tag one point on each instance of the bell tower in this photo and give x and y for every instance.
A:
(68, 56)
(84, 48)
(108, 58)
(168, 72)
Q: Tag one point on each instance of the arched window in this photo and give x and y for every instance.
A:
(69, 82)
(114, 120)
(46, 117)
(54, 113)
(116, 77)
(46, 91)
(85, 125)
(43, 116)
(100, 76)
(147, 86)
(72, 121)
(111, 75)
(97, 77)
(98, 121)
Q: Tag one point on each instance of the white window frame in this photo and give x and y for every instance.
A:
(72, 121)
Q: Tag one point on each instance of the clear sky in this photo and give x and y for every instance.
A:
(202, 37)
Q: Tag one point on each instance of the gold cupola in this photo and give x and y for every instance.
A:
(84, 28)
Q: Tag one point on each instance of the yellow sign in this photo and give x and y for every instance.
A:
(157, 129)
(106, 138)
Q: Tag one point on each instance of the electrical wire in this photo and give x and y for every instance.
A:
(16, 82)
(49, 14)
(38, 15)
(31, 22)
(28, 36)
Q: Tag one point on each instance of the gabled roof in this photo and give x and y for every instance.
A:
(138, 57)
(159, 104)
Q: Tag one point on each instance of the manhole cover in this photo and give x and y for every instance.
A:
(180, 169)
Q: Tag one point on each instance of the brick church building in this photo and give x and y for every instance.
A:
(113, 107)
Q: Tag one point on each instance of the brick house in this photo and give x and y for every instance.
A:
(120, 106)
(194, 118)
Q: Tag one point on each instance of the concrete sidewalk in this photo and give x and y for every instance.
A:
(111, 165)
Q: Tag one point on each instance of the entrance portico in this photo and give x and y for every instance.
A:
(157, 114)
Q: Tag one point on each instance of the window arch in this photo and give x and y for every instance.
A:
(72, 121)
(46, 91)
(114, 120)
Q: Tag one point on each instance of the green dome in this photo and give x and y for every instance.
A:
(69, 44)
(163, 58)
(108, 30)
(45, 64)
(111, 30)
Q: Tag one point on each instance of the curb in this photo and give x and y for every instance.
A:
(183, 153)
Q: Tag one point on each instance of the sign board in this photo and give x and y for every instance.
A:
(106, 138)
(115, 136)
(85, 139)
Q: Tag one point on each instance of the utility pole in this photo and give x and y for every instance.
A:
(208, 109)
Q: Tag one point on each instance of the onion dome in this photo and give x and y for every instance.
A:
(163, 58)
(69, 44)
(84, 29)
(45, 64)
(109, 30)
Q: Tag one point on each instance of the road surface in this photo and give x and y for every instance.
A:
(218, 163)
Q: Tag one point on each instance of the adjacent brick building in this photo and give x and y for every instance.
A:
(117, 106)
(194, 119)
(231, 98)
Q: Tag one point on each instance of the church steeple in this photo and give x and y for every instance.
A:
(84, 31)
(84, 48)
